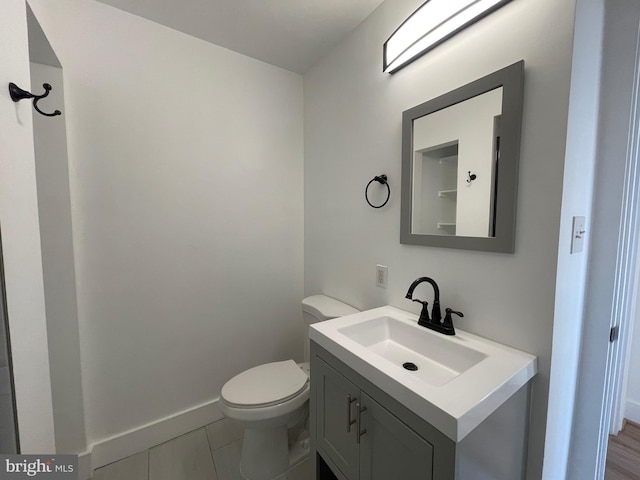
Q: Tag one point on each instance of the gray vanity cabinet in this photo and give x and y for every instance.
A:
(337, 398)
(360, 433)
(389, 448)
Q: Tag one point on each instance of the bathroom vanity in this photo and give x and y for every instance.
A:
(462, 415)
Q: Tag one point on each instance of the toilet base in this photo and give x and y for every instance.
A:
(269, 456)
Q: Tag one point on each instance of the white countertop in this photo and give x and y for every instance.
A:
(454, 407)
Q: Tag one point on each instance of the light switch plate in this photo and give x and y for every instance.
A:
(381, 276)
(577, 234)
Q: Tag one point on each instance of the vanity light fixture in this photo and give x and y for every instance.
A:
(431, 24)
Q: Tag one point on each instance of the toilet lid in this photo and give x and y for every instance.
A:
(265, 385)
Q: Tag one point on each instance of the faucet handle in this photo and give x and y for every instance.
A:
(449, 312)
(423, 303)
(424, 314)
(448, 322)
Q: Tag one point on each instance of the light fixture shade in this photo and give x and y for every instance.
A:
(431, 24)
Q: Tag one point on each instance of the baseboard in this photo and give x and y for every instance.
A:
(632, 411)
(136, 440)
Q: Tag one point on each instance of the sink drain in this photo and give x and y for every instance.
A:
(410, 366)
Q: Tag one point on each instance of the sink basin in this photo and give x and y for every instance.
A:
(434, 362)
(452, 382)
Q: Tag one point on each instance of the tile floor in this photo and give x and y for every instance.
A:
(209, 453)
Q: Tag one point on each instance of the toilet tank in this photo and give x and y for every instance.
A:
(318, 308)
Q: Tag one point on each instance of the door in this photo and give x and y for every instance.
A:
(336, 419)
(389, 448)
(626, 281)
(612, 264)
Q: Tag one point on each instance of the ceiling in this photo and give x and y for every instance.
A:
(292, 34)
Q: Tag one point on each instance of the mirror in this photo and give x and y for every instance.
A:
(460, 165)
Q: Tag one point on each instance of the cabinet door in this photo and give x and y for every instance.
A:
(335, 419)
(389, 448)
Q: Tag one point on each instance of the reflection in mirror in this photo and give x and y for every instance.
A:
(460, 165)
(449, 146)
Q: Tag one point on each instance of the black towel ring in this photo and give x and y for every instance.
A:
(382, 179)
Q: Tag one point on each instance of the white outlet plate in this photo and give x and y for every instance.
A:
(577, 234)
(381, 276)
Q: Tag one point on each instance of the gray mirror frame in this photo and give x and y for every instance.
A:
(511, 79)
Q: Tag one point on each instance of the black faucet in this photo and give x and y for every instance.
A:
(435, 322)
(436, 316)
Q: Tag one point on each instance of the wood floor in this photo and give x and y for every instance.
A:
(623, 455)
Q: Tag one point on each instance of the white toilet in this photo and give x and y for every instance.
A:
(269, 399)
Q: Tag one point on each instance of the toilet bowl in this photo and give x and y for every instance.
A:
(266, 401)
(270, 399)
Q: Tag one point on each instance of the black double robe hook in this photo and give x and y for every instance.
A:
(18, 94)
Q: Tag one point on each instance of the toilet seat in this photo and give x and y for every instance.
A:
(265, 385)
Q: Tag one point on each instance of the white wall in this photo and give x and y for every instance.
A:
(353, 132)
(186, 190)
(54, 208)
(21, 240)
